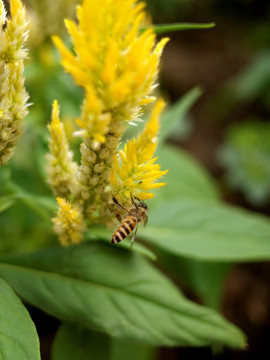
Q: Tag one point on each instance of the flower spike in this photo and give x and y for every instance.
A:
(117, 66)
(13, 96)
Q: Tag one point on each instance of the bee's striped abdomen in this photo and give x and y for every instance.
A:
(124, 229)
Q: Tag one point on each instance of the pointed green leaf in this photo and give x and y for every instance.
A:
(164, 28)
(116, 291)
(208, 231)
(18, 336)
(73, 342)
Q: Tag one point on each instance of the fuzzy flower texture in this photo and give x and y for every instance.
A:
(116, 63)
(13, 96)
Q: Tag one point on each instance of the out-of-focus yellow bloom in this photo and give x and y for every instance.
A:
(134, 170)
(47, 18)
(13, 97)
(68, 223)
(62, 171)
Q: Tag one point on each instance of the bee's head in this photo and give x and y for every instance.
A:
(140, 203)
(143, 205)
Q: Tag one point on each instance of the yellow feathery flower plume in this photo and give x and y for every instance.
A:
(68, 223)
(117, 65)
(13, 96)
(134, 170)
(62, 171)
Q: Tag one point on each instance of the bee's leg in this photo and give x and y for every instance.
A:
(133, 237)
(118, 216)
(117, 203)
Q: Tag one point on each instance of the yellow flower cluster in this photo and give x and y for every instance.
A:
(114, 62)
(117, 64)
(69, 223)
(134, 169)
(13, 96)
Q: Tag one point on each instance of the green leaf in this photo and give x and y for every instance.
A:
(73, 342)
(176, 113)
(245, 155)
(116, 291)
(98, 233)
(6, 202)
(208, 231)
(18, 336)
(185, 178)
(123, 350)
(163, 28)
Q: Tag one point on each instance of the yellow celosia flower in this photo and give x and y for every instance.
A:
(61, 169)
(117, 66)
(68, 223)
(13, 97)
(115, 63)
(134, 169)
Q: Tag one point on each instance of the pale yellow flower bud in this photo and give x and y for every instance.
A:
(68, 223)
(62, 171)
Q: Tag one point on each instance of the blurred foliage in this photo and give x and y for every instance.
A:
(246, 155)
(45, 82)
(250, 87)
(166, 9)
(46, 18)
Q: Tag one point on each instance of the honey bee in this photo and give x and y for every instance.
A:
(135, 216)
